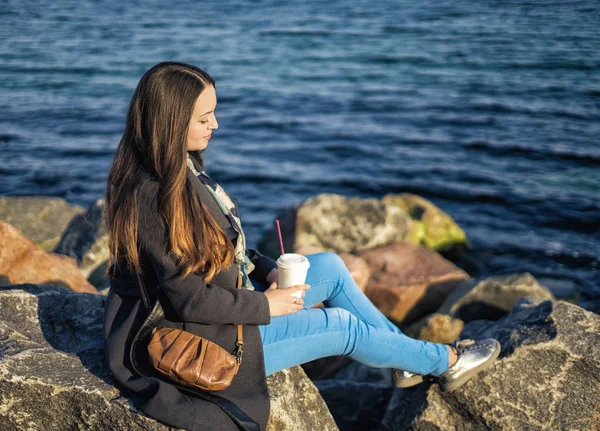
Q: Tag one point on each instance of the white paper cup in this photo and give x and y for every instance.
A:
(292, 269)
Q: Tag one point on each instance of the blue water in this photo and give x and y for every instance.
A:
(489, 109)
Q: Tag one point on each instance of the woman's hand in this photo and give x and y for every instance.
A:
(281, 301)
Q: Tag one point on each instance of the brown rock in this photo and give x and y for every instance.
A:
(408, 281)
(358, 269)
(437, 328)
(22, 262)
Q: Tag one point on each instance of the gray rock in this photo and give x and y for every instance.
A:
(493, 297)
(53, 374)
(86, 240)
(547, 377)
(331, 222)
(296, 403)
(41, 219)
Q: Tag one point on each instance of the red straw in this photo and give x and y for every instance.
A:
(280, 239)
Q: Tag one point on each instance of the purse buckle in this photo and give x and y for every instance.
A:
(238, 354)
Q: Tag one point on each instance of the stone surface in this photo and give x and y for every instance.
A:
(547, 377)
(296, 403)
(408, 281)
(330, 222)
(51, 355)
(492, 298)
(41, 219)
(431, 227)
(359, 269)
(22, 262)
(437, 328)
(85, 239)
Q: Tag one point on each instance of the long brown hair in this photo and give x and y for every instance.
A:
(155, 140)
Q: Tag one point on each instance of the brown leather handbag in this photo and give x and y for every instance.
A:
(183, 357)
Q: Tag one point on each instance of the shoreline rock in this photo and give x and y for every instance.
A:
(342, 224)
(41, 219)
(51, 355)
(21, 261)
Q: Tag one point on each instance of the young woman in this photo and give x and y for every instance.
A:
(162, 225)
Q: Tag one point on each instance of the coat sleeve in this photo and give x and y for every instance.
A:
(262, 265)
(192, 298)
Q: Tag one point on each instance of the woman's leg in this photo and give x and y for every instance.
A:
(349, 325)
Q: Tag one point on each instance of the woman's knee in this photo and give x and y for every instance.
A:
(348, 326)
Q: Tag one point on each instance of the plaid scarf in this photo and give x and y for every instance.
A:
(230, 211)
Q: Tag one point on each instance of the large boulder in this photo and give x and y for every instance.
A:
(547, 377)
(431, 227)
(492, 298)
(53, 374)
(409, 281)
(41, 219)
(296, 403)
(330, 222)
(342, 224)
(22, 262)
(85, 239)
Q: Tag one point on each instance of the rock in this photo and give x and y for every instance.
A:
(296, 403)
(42, 219)
(408, 281)
(331, 222)
(86, 240)
(359, 269)
(492, 298)
(22, 262)
(431, 227)
(547, 377)
(53, 374)
(437, 328)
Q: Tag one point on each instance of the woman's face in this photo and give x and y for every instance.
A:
(203, 120)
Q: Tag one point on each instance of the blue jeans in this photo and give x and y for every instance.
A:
(349, 325)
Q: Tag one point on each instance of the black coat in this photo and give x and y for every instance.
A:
(211, 310)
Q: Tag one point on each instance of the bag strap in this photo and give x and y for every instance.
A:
(240, 335)
(241, 419)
